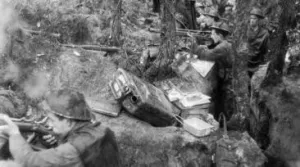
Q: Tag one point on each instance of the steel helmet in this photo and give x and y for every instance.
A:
(69, 104)
(257, 12)
(229, 4)
(199, 5)
(213, 13)
(221, 26)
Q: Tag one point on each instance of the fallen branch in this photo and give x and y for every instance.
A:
(193, 31)
(94, 47)
(41, 32)
(99, 48)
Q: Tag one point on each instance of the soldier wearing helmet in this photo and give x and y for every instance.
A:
(258, 39)
(82, 142)
(222, 54)
(228, 14)
(211, 18)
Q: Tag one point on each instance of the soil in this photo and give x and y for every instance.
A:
(88, 22)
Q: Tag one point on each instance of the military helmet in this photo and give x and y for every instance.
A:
(257, 12)
(221, 26)
(213, 13)
(228, 4)
(199, 5)
(69, 104)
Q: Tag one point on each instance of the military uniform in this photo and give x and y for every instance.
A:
(85, 145)
(223, 56)
(258, 46)
(258, 43)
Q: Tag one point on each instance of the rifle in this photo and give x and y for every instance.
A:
(26, 125)
(185, 32)
(103, 48)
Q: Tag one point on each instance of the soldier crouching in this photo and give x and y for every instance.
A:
(80, 141)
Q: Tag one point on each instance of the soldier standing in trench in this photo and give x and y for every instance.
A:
(258, 39)
(81, 142)
(222, 54)
(212, 17)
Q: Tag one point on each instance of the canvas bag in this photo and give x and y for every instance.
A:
(226, 149)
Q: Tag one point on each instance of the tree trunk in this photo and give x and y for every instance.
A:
(168, 29)
(240, 77)
(116, 29)
(160, 68)
(156, 6)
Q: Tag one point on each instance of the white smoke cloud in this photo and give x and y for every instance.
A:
(8, 22)
(37, 85)
(11, 72)
(9, 164)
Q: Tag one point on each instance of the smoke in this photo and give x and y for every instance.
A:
(8, 23)
(9, 164)
(11, 72)
(61, 100)
(37, 85)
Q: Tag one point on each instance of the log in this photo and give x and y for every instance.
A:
(56, 35)
(94, 47)
(103, 48)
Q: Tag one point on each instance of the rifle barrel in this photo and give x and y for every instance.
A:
(182, 33)
(31, 127)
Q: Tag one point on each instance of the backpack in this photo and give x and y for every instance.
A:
(225, 155)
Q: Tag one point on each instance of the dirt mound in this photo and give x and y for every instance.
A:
(87, 72)
(280, 102)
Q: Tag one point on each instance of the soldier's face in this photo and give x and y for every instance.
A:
(253, 21)
(59, 126)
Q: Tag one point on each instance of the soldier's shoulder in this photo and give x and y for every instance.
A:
(265, 31)
(225, 44)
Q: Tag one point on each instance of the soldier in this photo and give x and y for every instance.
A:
(200, 8)
(211, 18)
(228, 15)
(81, 142)
(258, 39)
(223, 56)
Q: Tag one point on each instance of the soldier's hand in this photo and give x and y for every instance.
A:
(9, 128)
(51, 140)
